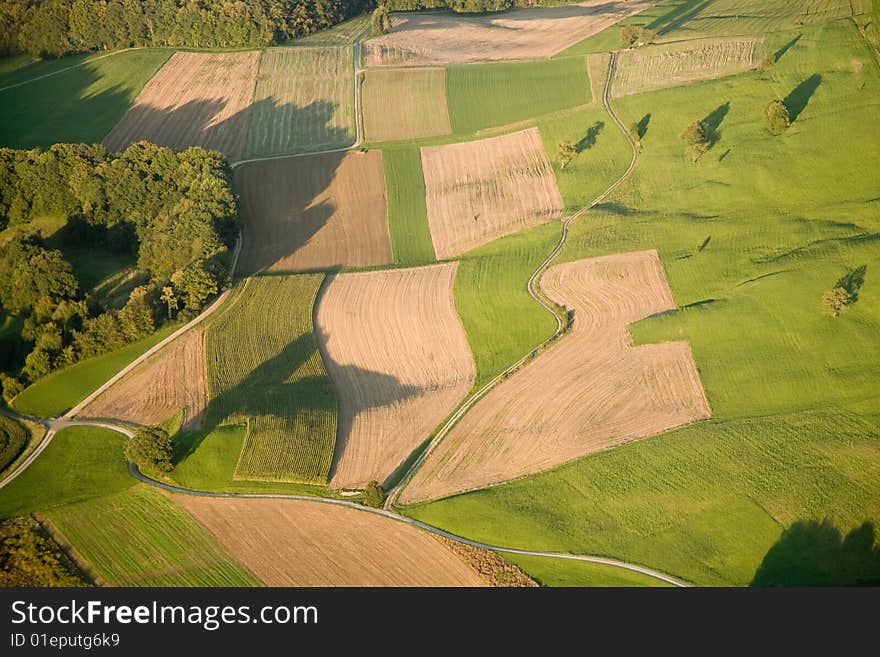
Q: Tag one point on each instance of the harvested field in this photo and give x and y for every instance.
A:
(304, 101)
(297, 543)
(196, 99)
(405, 104)
(420, 39)
(264, 370)
(315, 212)
(398, 356)
(655, 67)
(481, 190)
(172, 380)
(590, 391)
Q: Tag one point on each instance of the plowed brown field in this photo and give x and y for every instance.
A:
(196, 99)
(314, 212)
(398, 356)
(479, 191)
(297, 543)
(591, 391)
(420, 39)
(172, 380)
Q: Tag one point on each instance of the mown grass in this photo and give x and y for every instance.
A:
(561, 572)
(750, 237)
(140, 537)
(264, 370)
(207, 460)
(61, 390)
(20, 68)
(501, 320)
(485, 95)
(407, 213)
(80, 463)
(79, 105)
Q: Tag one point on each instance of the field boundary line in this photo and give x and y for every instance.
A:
(535, 293)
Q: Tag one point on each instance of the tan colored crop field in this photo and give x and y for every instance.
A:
(590, 391)
(314, 212)
(479, 191)
(424, 39)
(669, 65)
(298, 543)
(172, 380)
(196, 99)
(405, 104)
(400, 361)
(304, 101)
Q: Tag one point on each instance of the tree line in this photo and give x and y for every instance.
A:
(174, 212)
(60, 27)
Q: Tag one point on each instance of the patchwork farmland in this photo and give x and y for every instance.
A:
(196, 99)
(543, 308)
(304, 101)
(481, 190)
(590, 392)
(315, 212)
(398, 356)
(264, 370)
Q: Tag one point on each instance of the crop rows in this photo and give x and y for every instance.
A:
(264, 369)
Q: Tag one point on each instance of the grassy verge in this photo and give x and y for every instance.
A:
(560, 572)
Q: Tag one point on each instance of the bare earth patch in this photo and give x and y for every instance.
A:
(590, 391)
(479, 191)
(158, 388)
(297, 543)
(420, 39)
(314, 212)
(196, 99)
(405, 104)
(670, 65)
(400, 361)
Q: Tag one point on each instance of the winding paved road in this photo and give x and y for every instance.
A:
(56, 424)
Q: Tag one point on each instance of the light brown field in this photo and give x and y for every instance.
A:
(479, 191)
(314, 212)
(420, 39)
(405, 104)
(173, 379)
(298, 543)
(196, 99)
(400, 362)
(590, 391)
(669, 65)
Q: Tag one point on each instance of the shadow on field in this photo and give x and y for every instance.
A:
(713, 123)
(784, 49)
(811, 553)
(797, 100)
(589, 139)
(678, 15)
(642, 126)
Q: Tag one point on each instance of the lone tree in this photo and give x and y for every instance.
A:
(169, 299)
(633, 37)
(835, 301)
(150, 449)
(374, 496)
(776, 118)
(697, 139)
(634, 133)
(845, 292)
(567, 151)
(381, 23)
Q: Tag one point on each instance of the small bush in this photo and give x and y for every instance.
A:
(150, 449)
(374, 496)
(697, 139)
(631, 36)
(776, 118)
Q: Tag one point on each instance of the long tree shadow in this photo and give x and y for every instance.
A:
(811, 553)
(784, 49)
(642, 126)
(589, 139)
(852, 282)
(713, 121)
(678, 15)
(800, 96)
